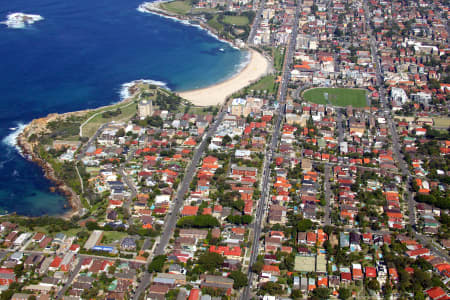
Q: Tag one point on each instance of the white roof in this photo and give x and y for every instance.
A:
(239, 101)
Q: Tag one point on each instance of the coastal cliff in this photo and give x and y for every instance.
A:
(30, 142)
(30, 151)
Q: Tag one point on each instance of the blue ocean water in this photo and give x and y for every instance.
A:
(78, 57)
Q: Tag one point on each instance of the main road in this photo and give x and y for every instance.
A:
(179, 199)
(260, 211)
(425, 240)
(256, 21)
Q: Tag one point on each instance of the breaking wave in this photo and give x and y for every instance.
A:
(125, 89)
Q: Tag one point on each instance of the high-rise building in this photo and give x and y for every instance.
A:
(145, 108)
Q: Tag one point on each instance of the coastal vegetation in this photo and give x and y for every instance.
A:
(336, 96)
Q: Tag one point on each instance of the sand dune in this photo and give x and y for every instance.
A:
(257, 67)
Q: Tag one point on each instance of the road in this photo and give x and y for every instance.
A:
(256, 21)
(179, 199)
(260, 211)
(91, 140)
(329, 197)
(425, 240)
(340, 128)
(72, 276)
(129, 182)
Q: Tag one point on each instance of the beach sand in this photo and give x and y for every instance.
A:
(257, 67)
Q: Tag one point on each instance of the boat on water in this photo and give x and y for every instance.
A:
(222, 50)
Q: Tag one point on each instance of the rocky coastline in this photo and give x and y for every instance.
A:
(28, 150)
(155, 8)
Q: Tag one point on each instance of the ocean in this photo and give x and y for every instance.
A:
(79, 57)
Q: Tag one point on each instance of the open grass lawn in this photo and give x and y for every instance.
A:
(278, 58)
(441, 122)
(336, 96)
(215, 24)
(178, 7)
(113, 236)
(127, 112)
(267, 83)
(236, 20)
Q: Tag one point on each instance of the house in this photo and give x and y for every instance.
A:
(436, 293)
(128, 244)
(158, 291)
(217, 282)
(194, 294)
(272, 270)
(189, 211)
(7, 276)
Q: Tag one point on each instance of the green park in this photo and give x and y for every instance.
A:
(336, 96)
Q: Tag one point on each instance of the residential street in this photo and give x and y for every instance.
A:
(247, 292)
(179, 200)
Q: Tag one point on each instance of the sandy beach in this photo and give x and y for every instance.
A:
(257, 67)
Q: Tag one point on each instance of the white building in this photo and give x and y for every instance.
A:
(145, 109)
(399, 95)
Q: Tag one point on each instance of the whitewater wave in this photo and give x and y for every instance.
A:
(125, 89)
(20, 20)
(244, 63)
(144, 9)
(11, 139)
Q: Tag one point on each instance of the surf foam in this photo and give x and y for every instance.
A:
(151, 8)
(20, 20)
(11, 139)
(125, 89)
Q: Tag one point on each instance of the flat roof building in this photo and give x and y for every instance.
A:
(94, 239)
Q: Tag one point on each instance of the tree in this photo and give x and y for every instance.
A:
(418, 295)
(322, 293)
(304, 225)
(240, 279)
(157, 263)
(296, 294)
(374, 285)
(210, 261)
(344, 293)
(271, 288)
(202, 221)
(226, 140)
(257, 267)
(91, 225)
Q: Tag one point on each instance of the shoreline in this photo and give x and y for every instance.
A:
(28, 152)
(154, 8)
(258, 66)
(57, 185)
(216, 94)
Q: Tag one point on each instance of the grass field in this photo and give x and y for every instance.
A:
(236, 20)
(113, 236)
(278, 58)
(178, 7)
(215, 24)
(441, 122)
(266, 83)
(127, 111)
(337, 96)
